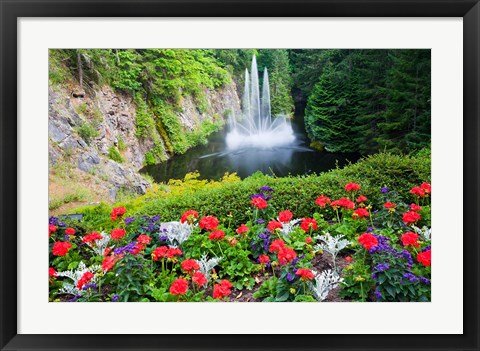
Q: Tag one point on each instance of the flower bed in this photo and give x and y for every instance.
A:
(370, 252)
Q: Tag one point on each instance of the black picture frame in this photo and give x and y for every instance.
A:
(11, 10)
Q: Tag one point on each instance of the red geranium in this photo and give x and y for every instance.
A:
(222, 290)
(209, 223)
(159, 252)
(411, 217)
(361, 198)
(232, 241)
(285, 216)
(259, 203)
(108, 263)
(308, 240)
(217, 235)
(144, 239)
(137, 248)
(190, 265)
(276, 245)
(425, 258)
(348, 259)
(389, 205)
(308, 223)
(199, 279)
(69, 231)
(263, 259)
(52, 272)
(117, 212)
(272, 225)
(91, 237)
(352, 187)
(368, 240)
(360, 213)
(51, 229)
(415, 207)
(242, 229)
(427, 188)
(322, 200)
(117, 233)
(305, 274)
(179, 287)
(343, 202)
(286, 254)
(174, 251)
(86, 277)
(60, 248)
(416, 190)
(410, 238)
(189, 216)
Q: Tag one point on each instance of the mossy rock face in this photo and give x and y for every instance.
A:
(317, 146)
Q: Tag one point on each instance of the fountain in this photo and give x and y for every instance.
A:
(257, 128)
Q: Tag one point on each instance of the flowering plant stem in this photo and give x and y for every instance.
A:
(218, 243)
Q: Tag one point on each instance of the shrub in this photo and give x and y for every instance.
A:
(87, 132)
(114, 155)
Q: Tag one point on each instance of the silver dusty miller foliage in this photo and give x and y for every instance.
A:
(331, 244)
(75, 276)
(176, 232)
(206, 265)
(324, 283)
(425, 232)
(99, 245)
(288, 227)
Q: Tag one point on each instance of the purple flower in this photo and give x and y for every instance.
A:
(163, 238)
(130, 247)
(424, 280)
(265, 188)
(75, 298)
(52, 220)
(369, 229)
(384, 190)
(61, 224)
(260, 221)
(291, 276)
(378, 294)
(155, 218)
(381, 267)
(262, 195)
(115, 298)
(426, 248)
(66, 237)
(90, 286)
(129, 220)
(411, 277)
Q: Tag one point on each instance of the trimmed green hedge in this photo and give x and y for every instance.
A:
(232, 200)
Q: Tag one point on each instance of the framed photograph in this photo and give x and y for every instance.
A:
(197, 157)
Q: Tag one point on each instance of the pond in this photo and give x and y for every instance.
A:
(214, 159)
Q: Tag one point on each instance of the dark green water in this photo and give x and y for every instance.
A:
(213, 160)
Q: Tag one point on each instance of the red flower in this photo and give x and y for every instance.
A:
(137, 248)
(189, 216)
(276, 245)
(190, 265)
(305, 274)
(179, 287)
(263, 259)
(360, 213)
(51, 228)
(348, 259)
(322, 200)
(174, 251)
(242, 229)
(411, 217)
(427, 188)
(286, 254)
(232, 241)
(107, 251)
(86, 277)
(91, 237)
(416, 190)
(222, 290)
(308, 240)
(217, 235)
(361, 198)
(285, 216)
(143, 239)
(259, 203)
(343, 202)
(117, 212)
(410, 238)
(69, 231)
(108, 263)
(389, 205)
(415, 207)
(209, 223)
(272, 225)
(425, 258)
(199, 279)
(352, 187)
(368, 240)
(61, 248)
(117, 233)
(159, 252)
(52, 272)
(308, 223)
